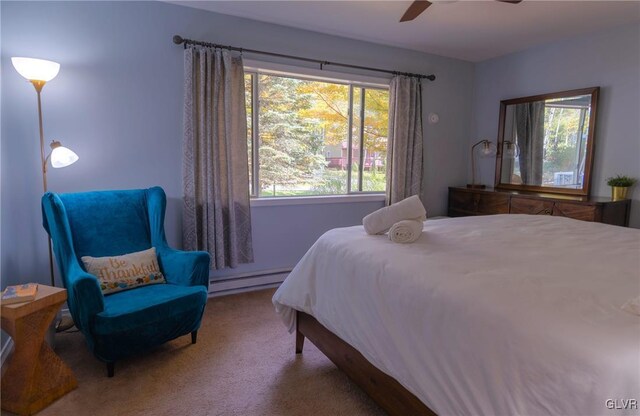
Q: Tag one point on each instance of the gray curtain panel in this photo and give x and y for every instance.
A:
(530, 131)
(216, 216)
(404, 153)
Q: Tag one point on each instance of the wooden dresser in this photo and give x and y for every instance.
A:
(464, 201)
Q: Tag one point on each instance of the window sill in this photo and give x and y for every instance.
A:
(307, 200)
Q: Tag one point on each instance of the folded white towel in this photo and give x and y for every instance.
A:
(406, 231)
(379, 222)
(632, 306)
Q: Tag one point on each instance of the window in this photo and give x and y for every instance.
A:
(310, 136)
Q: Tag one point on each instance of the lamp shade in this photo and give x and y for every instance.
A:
(36, 69)
(488, 149)
(61, 156)
(511, 149)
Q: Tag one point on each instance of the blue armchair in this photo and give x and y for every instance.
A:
(110, 223)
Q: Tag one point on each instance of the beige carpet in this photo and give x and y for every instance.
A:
(243, 364)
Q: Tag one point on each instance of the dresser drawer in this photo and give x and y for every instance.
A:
(530, 206)
(476, 203)
(493, 204)
(462, 203)
(577, 211)
(465, 201)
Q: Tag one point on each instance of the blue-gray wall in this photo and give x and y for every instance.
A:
(609, 59)
(118, 103)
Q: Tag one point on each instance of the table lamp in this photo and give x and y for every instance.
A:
(488, 149)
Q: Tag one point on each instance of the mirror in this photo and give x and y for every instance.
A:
(545, 142)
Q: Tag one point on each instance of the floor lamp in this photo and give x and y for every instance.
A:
(39, 72)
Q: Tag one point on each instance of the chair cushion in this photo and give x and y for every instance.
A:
(147, 305)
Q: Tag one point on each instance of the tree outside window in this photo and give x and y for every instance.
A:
(303, 139)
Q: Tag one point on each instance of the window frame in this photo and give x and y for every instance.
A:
(354, 81)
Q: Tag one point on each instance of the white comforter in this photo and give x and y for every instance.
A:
(494, 315)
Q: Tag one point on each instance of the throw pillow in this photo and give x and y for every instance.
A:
(116, 273)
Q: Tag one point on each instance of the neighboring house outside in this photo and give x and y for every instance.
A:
(337, 157)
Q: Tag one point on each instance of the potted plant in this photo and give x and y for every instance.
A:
(620, 185)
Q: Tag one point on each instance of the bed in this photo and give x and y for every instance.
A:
(496, 315)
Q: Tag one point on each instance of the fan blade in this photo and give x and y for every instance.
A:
(416, 8)
(510, 1)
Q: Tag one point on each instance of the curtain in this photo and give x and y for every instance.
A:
(404, 153)
(530, 131)
(216, 216)
(507, 172)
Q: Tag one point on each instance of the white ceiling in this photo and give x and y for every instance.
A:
(472, 30)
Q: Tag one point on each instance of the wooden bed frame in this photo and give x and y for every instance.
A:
(382, 388)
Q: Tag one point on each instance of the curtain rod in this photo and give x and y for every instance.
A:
(177, 39)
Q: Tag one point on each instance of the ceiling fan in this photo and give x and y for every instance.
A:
(419, 6)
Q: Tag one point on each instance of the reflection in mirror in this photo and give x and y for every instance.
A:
(545, 141)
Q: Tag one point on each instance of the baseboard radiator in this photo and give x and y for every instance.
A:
(247, 282)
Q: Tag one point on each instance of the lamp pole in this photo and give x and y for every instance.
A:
(38, 86)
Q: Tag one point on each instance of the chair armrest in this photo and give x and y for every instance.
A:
(186, 268)
(85, 298)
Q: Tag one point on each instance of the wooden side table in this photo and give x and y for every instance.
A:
(35, 375)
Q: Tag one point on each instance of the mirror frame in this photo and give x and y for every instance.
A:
(588, 166)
